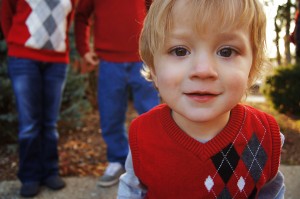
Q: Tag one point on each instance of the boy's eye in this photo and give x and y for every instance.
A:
(180, 51)
(226, 52)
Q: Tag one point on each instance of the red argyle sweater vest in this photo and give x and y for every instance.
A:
(234, 164)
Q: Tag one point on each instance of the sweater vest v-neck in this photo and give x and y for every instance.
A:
(234, 164)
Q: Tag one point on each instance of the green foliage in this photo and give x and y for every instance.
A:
(283, 88)
(8, 116)
(75, 103)
(6, 98)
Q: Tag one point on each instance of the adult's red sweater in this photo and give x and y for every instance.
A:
(116, 28)
(234, 164)
(37, 29)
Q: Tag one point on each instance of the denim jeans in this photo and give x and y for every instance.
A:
(38, 88)
(114, 79)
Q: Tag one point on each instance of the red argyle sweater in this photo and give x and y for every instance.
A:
(234, 164)
(116, 28)
(38, 29)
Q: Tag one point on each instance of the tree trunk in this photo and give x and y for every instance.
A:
(287, 50)
(276, 40)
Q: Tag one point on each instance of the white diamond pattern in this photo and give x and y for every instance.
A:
(241, 180)
(241, 183)
(209, 183)
(41, 11)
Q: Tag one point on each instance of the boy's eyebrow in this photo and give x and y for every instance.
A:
(238, 38)
(222, 36)
(232, 36)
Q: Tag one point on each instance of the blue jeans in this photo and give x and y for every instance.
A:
(114, 79)
(38, 88)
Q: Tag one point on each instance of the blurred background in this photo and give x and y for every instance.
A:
(82, 150)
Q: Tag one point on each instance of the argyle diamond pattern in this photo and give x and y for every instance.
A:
(224, 194)
(254, 157)
(226, 162)
(47, 24)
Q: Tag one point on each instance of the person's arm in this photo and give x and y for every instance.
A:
(83, 13)
(130, 186)
(82, 24)
(7, 12)
(274, 189)
(71, 15)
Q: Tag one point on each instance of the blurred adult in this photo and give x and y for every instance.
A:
(117, 25)
(38, 54)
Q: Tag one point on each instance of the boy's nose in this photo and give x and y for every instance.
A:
(204, 68)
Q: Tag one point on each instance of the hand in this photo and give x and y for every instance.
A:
(90, 62)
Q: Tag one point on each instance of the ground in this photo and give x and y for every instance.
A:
(82, 150)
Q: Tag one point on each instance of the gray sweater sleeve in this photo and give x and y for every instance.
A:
(130, 186)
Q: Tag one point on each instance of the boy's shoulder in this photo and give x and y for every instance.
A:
(257, 118)
(269, 123)
(259, 113)
(153, 117)
(154, 112)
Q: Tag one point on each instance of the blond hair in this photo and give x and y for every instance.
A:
(222, 14)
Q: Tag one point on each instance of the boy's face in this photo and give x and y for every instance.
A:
(201, 76)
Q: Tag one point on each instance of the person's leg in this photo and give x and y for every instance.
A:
(145, 96)
(112, 101)
(54, 76)
(27, 85)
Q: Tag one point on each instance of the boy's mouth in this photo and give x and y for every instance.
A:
(202, 96)
(201, 93)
